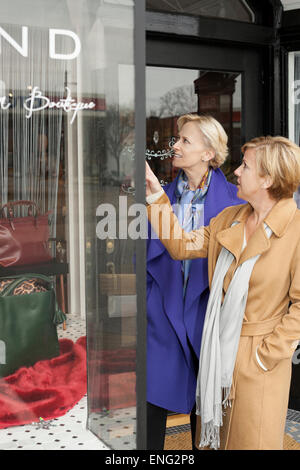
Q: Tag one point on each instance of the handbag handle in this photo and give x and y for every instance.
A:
(59, 315)
(8, 290)
(10, 207)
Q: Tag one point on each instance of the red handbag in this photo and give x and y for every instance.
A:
(23, 240)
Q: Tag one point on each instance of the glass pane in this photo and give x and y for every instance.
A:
(67, 144)
(40, 71)
(109, 143)
(230, 9)
(294, 135)
(172, 92)
(294, 112)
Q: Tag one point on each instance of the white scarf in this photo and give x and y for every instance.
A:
(220, 340)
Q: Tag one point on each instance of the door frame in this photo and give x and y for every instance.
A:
(261, 37)
(187, 54)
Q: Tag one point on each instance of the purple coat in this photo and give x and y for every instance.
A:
(175, 326)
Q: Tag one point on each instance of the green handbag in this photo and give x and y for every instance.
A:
(28, 325)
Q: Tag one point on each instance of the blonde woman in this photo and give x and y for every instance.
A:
(252, 323)
(177, 292)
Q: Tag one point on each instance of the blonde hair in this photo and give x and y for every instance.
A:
(279, 158)
(213, 133)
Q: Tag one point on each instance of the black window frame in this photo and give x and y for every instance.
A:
(265, 12)
(140, 148)
(236, 33)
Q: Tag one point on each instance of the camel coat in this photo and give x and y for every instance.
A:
(271, 325)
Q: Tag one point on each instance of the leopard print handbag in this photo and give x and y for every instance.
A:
(26, 287)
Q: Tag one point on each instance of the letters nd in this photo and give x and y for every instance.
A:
(23, 48)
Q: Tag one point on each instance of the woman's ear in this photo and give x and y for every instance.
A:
(267, 183)
(208, 155)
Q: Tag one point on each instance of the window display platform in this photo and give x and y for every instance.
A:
(51, 268)
(65, 433)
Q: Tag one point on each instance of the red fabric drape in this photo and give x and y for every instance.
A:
(48, 389)
(52, 387)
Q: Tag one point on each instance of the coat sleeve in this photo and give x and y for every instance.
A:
(180, 244)
(283, 341)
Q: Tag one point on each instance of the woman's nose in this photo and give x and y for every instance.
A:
(176, 145)
(237, 171)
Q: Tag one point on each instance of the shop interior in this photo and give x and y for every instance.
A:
(66, 168)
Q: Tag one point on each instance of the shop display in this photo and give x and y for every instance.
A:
(46, 390)
(23, 240)
(28, 317)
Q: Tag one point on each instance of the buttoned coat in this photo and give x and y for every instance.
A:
(174, 325)
(271, 324)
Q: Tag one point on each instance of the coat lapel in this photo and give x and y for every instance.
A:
(277, 219)
(257, 244)
(232, 239)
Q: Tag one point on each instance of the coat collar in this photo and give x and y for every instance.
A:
(220, 195)
(278, 220)
(281, 215)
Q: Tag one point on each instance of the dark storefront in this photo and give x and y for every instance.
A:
(235, 60)
(131, 67)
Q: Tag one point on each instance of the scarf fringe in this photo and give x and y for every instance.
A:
(210, 432)
(210, 436)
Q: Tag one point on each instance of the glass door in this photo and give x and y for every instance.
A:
(190, 91)
(185, 77)
(294, 135)
(188, 77)
(110, 193)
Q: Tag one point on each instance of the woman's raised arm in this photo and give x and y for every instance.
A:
(180, 244)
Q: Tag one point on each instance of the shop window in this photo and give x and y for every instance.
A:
(230, 9)
(67, 130)
(33, 143)
(294, 104)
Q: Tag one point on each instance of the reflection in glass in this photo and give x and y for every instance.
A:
(73, 164)
(231, 9)
(191, 91)
(295, 105)
(33, 143)
(110, 275)
(33, 154)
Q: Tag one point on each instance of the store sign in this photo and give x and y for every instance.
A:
(22, 48)
(38, 102)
